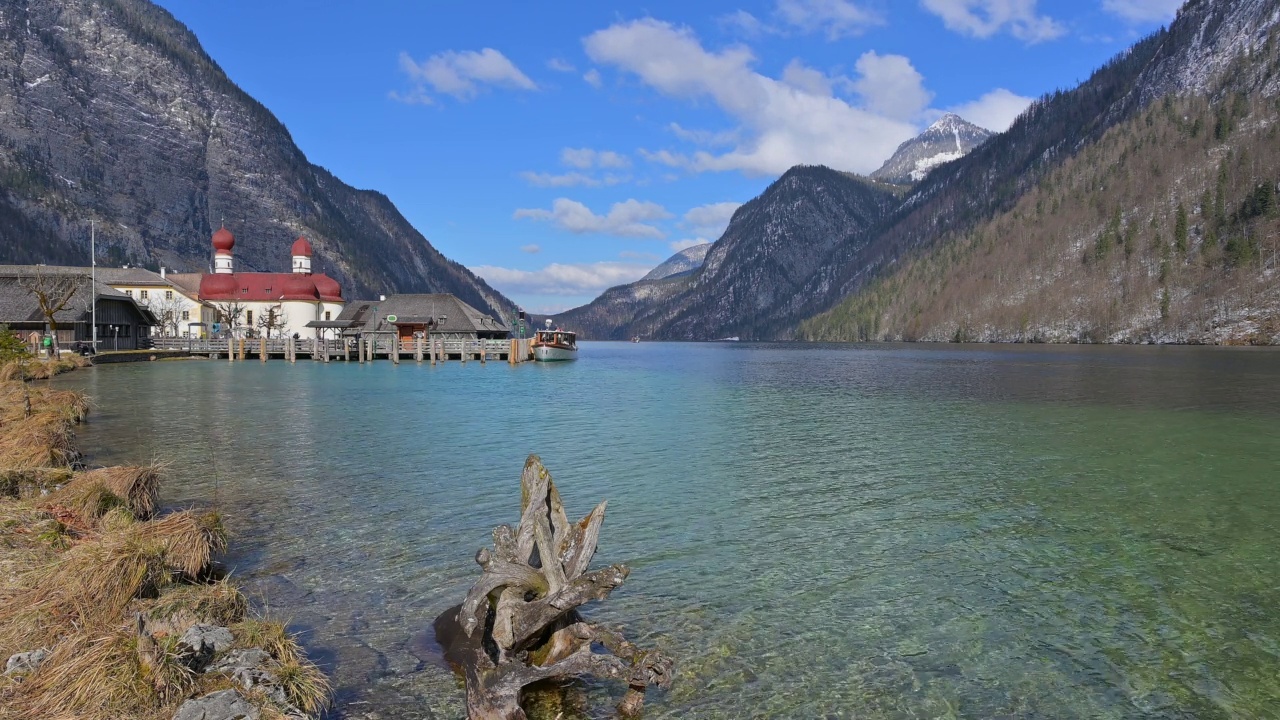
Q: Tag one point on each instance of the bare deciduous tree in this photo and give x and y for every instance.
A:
(54, 292)
(229, 314)
(273, 318)
(167, 307)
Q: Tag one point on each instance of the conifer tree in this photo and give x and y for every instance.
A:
(1180, 230)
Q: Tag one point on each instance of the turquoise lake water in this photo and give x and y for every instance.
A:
(813, 531)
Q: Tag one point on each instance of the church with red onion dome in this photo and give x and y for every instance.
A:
(273, 304)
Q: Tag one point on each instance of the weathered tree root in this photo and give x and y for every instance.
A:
(519, 623)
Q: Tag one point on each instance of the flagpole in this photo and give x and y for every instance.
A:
(93, 283)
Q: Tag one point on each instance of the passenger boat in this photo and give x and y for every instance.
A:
(553, 345)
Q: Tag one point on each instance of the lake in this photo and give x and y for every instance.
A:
(877, 531)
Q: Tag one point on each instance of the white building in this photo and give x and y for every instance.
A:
(177, 308)
(273, 304)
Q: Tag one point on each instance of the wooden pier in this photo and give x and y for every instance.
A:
(369, 348)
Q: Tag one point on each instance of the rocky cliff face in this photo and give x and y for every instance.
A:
(111, 111)
(950, 138)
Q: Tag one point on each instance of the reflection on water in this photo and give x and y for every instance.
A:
(838, 531)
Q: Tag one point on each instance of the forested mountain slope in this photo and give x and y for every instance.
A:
(1166, 230)
(772, 245)
(1207, 43)
(110, 110)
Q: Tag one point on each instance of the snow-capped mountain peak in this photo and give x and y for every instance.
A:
(949, 138)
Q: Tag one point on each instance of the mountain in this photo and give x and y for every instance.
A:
(688, 259)
(620, 311)
(1139, 207)
(1212, 53)
(950, 138)
(771, 246)
(111, 111)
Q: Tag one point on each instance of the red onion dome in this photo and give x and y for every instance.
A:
(218, 286)
(223, 240)
(300, 287)
(328, 287)
(301, 247)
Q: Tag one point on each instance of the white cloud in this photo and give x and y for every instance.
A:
(561, 65)
(710, 220)
(666, 157)
(582, 159)
(630, 218)
(704, 137)
(806, 79)
(586, 158)
(562, 279)
(984, 18)
(1141, 11)
(744, 23)
(531, 249)
(994, 111)
(592, 78)
(835, 18)
(571, 179)
(678, 245)
(891, 86)
(782, 125)
(460, 74)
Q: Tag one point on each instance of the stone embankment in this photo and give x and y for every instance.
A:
(109, 609)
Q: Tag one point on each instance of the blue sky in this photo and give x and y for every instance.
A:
(558, 149)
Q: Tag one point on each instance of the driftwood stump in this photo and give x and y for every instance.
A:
(519, 623)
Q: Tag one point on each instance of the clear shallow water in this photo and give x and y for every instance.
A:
(814, 531)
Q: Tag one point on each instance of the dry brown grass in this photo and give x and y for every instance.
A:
(91, 585)
(32, 481)
(306, 686)
(217, 603)
(41, 369)
(190, 539)
(41, 440)
(95, 492)
(87, 570)
(120, 674)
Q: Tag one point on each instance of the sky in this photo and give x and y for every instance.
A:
(558, 149)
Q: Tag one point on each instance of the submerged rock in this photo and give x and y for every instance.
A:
(25, 662)
(222, 705)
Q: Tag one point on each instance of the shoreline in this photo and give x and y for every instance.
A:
(110, 609)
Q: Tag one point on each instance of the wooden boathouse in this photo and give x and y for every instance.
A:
(123, 324)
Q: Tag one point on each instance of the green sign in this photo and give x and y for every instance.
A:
(391, 318)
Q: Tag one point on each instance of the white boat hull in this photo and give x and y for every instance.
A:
(547, 353)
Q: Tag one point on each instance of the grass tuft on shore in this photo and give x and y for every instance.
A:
(306, 686)
(91, 573)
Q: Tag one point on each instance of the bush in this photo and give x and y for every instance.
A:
(11, 346)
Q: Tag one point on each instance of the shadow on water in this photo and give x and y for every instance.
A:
(814, 531)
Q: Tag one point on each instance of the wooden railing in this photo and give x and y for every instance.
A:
(372, 346)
